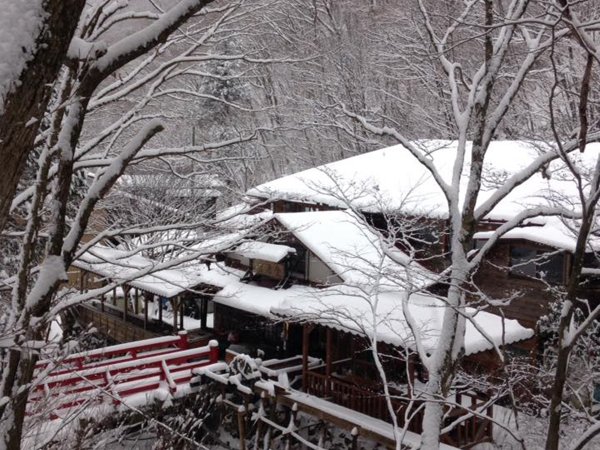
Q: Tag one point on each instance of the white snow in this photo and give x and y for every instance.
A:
(21, 21)
(263, 250)
(551, 231)
(120, 265)
(362, 421)
(391, 179)
(351, 309)
(352, 250)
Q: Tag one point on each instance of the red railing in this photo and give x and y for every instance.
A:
(133, 368)
(109, 355)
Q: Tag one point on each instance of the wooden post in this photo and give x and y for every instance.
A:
(203, 312)
(181, 306)
(174, 307)
(114, 296)
(328, 359)
(305, 345)
(136, 305)
(125, 295)
(145, 311)
(81, 278)
(102, 302)
(354, 434)
(159, 300)
(242, 427)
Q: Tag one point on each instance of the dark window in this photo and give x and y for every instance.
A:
(297, 262)
(522, 261)
(534, 263)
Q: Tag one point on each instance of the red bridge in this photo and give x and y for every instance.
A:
(136, 373)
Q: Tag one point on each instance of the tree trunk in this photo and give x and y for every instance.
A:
(25, 106)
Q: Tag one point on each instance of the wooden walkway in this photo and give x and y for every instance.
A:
(118, 373)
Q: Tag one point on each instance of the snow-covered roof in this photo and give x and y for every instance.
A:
(263, 250)
(392, 179)
(120, 265)
(353, 250)
(353, 310)
(239, 216)
(348, 308)
(551, 231)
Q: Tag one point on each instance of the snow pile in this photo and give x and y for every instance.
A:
(21, 22)
(353, 251)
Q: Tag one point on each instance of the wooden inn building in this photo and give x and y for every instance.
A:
(325, 276)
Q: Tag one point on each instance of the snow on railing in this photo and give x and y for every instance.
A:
(119, 378)
(123, 352)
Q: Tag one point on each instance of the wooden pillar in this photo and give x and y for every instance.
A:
(136, 305)
(159, 300)
(114, 302)
(125, 295)
(181, 307)
(305, 345)
(81, 278)
(174, 307)
(145, 311)
(102, 302)
(203, 312)
(328, 358)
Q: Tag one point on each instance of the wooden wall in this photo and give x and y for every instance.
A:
(494, 279)
(111, 326)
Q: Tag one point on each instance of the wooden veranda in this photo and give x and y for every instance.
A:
(126, 317)
(355, 384)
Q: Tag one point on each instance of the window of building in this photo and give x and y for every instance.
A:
(297, 262)
(530, 262)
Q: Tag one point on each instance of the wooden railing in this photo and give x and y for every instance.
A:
(472, 430)
(115, 353)
(129, 369)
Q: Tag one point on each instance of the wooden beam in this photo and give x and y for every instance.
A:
(136, 306)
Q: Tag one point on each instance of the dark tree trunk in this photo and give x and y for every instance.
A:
(29, 100)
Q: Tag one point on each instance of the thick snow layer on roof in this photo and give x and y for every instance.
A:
(350, 309)
(20, 24)
(352, 250)
(263, 250)
(120, 265)
(383, 315)
(553, 231)
(238, 217)
(392, 179)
